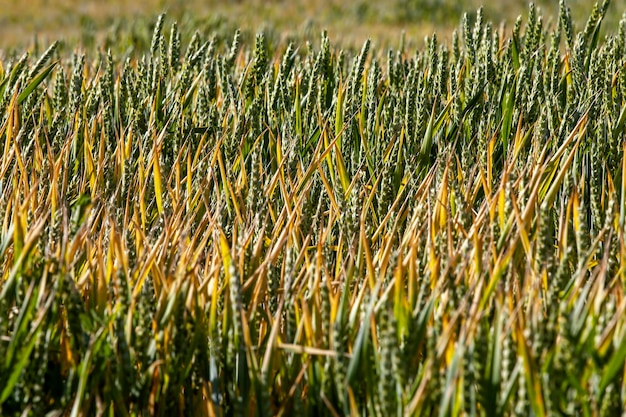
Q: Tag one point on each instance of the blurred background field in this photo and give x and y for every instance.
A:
(25, 24)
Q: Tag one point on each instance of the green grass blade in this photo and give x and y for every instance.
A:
(34, 83)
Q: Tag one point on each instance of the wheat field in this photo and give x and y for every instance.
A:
(231, 224)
